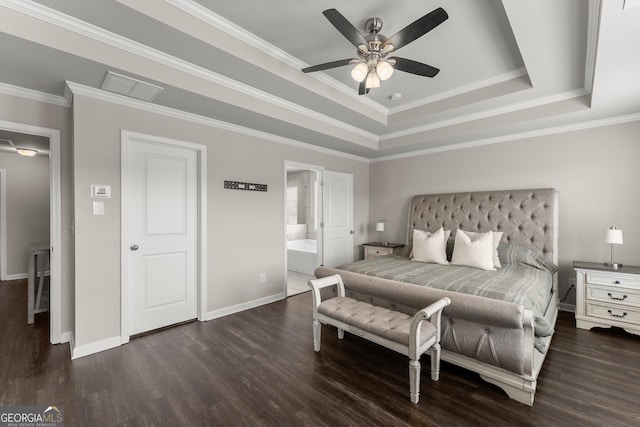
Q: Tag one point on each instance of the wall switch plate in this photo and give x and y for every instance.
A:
(98, 208)
(263, 277)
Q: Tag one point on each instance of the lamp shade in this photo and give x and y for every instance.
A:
(373, 80)
(384, 70)
(359, 72)
(380, 226)
(613, 236)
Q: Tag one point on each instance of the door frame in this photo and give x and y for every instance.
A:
(3, 224)
(55, 225)
(126, 137)
(320, 171)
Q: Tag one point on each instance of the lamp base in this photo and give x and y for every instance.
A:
(612, 265)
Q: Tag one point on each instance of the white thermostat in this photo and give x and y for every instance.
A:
(101, 191)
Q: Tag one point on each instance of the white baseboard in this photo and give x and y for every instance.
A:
(567, 307)
(72, 343)
(66, 337)
(17, 276)
(94, 347)
(221, 312)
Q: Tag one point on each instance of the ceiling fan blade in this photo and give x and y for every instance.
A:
(345, 27)
(362, 89)
(414, 67)
(327, 65)
(417, 28)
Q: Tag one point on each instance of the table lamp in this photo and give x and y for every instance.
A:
(613, 237)
(380, 226)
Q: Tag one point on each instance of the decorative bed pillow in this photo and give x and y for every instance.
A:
(497, 237)
(473, 251)
(430, 247)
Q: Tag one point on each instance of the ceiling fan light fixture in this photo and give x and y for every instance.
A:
(359, 72)
(384, 70)
(373, 80)
(27, 152)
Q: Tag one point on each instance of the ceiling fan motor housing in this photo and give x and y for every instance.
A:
(373, 25)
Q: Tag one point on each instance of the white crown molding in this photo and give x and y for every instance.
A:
(33, 95)
(590, 124)
(211, 18)
(79, 89)
(459, 91)
(487, 113)
(593, 29)
(93, 32)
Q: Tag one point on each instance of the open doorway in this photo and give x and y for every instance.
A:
(31, 216)
(303, 218)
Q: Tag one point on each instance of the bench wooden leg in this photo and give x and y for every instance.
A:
(340, 333)
(435, 362)
(316, 335)
(414, 380)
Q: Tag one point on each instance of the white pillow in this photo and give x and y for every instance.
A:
(430, 247)
(473, 252)
(497, 237)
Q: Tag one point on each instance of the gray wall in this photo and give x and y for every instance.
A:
(27, 207)
(25, 111)
(596, 172)
(245, 229)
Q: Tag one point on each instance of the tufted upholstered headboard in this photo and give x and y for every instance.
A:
(527, 217)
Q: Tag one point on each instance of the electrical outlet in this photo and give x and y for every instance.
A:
(572, 282)
(263, 277)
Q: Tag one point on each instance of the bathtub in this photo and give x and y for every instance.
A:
(302, 255)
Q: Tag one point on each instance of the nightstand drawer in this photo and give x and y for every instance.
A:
(613, 279)
(613, 313)
(613, 295)
(375, 251)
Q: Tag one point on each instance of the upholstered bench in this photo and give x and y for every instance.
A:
(409, 335)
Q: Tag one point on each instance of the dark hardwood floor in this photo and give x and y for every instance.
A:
(258, 368)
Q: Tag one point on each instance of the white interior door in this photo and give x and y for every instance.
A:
(337, 216)
(162, 226)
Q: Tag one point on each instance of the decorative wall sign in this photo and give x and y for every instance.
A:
(234, 185)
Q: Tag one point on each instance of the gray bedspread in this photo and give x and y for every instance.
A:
(526, 278)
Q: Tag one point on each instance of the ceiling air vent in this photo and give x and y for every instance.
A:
(128, 86)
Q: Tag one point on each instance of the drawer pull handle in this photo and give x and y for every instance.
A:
(624, 297)
(624, 313)
(617, 282)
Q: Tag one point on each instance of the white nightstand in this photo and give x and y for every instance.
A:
(607, 297)
(376, 249)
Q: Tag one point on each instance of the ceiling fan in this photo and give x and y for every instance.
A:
(374, 63)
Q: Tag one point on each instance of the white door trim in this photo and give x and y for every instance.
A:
(320, 171)
(3, 224)
(55, 220)
(201, 150)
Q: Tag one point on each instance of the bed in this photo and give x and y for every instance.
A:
(500, 323)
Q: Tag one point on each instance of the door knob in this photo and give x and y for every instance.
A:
(351, 232)
(134, 247)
